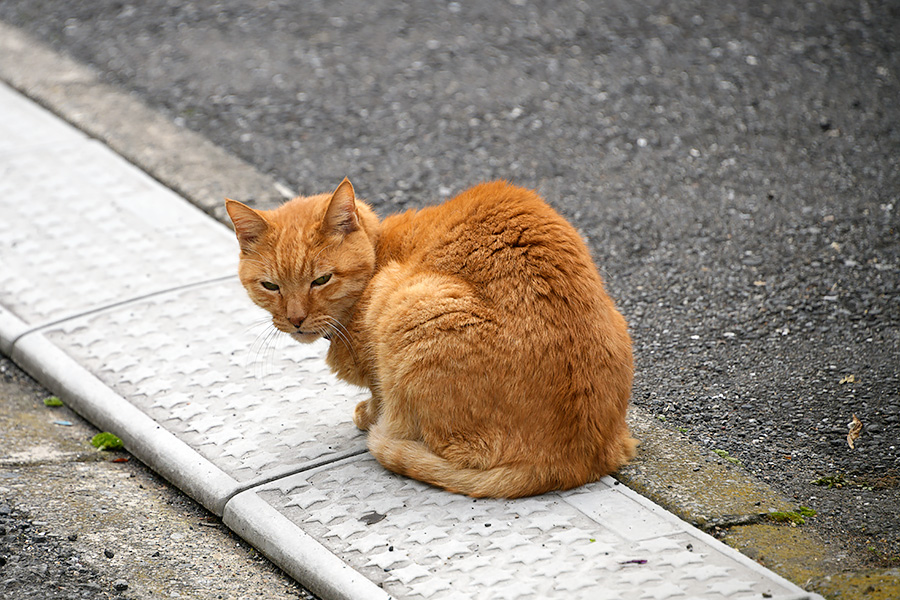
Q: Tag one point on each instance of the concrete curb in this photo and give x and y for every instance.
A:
(301, 556)
(692, 482)
(142, 436)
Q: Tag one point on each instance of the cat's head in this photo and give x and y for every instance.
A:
(308, 261)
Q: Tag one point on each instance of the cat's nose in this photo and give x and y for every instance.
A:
(295, 311)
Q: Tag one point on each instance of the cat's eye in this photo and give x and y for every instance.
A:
(270, 286)
(321, 280)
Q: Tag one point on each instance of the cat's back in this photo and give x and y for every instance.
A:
(504, 239)
(503, 367)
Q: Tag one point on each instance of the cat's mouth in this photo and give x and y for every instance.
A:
(307, 337)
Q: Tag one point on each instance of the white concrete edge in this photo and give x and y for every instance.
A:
(142, 436)
(296, 552)
(797, 592)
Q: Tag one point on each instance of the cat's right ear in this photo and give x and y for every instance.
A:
(249, 225)
(342, 218)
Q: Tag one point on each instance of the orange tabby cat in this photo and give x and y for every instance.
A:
(498, 365)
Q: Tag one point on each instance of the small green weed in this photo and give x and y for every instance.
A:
(787, 516)
(794, 517)
(724, 454)
(831, 481)
(106, 441)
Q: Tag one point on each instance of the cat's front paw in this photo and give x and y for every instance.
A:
(364, 416)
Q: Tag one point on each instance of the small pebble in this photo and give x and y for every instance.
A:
(109, 553)
(120, 584)
(73, 537)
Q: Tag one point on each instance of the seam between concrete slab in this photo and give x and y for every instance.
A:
(295, 470)
(258, 482)
(112, 305)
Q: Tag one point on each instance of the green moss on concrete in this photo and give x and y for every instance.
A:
(704, 489)
(795, 553)
(871, 585)
(798, 554)
(53, 401)
(795, 517)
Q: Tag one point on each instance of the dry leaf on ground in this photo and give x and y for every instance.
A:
(855, 426)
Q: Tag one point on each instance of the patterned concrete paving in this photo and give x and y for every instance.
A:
(122, 298)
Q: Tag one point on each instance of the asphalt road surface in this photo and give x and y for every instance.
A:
(735, 167)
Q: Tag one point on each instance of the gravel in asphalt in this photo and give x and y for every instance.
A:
(734, 166)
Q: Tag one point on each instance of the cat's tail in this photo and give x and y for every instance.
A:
(414, 459)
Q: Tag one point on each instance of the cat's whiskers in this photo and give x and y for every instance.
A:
(265, 349)
(270, 352)
(260, 322)
(255, 350)
(337, 328)
(263, 325)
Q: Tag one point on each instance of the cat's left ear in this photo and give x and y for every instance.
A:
(341, 217)
(249, 225)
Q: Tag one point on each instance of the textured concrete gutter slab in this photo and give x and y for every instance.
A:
(600, 541)
(185, 359)
(119, 296)
(143, 437)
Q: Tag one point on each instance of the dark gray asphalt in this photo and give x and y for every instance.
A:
(735, 167)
